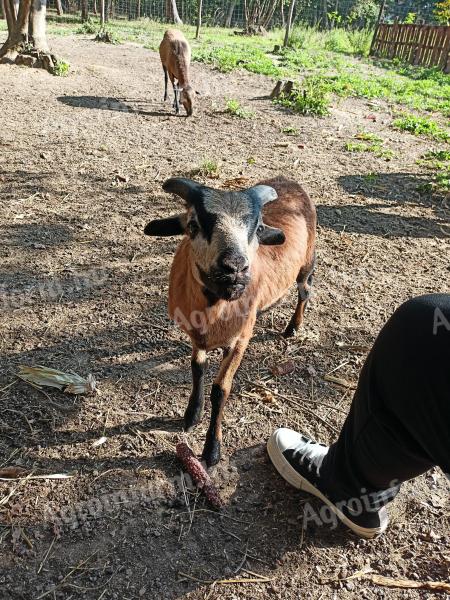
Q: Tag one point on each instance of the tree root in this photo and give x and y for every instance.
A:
(26, 55)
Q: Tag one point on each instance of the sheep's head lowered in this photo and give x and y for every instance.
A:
(225, 229)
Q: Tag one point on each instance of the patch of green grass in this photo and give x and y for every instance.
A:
(421, 126)
(376, 146)
(356, 147)
(208, 168)
(367, 136)
(441, 155)
(234, 108)
(290, 130)
(88, 27)
(438, 162)
(61, 69)
(311, 99)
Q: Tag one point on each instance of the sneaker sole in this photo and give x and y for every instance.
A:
(288, 473)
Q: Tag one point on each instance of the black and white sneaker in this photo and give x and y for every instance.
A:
(298, 459)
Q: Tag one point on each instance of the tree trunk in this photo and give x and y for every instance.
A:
(28, 26)
(38, 15)
(230, 14)
(84, 11)
(283, 21)
(59, 7)
(199, 19)
(172, 15)
(102, 14)
(289, 24)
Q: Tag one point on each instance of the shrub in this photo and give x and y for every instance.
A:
(338, 41)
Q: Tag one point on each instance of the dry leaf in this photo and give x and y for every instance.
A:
(70, 383)
(12, 472)
(268, 398)
(99, 442)
(283, 368)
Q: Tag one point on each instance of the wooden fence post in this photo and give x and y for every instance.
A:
(377, 26)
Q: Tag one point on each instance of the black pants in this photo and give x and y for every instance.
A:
(399, 423)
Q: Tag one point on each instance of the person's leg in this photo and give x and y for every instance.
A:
(399, 420)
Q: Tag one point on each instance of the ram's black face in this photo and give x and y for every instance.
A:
(225, 229)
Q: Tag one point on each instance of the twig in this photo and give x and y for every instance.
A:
(243, 561)
(63, 581)
(46, 555)
(213, 512)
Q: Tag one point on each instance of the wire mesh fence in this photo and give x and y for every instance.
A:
(324, 14)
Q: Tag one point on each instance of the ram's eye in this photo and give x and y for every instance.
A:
(260, 229)
(192, 228)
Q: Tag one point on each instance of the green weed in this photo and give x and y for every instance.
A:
(208, 168)
(61, 69)
(376, 147)
(290, 130)
(421, 126)
(311, 99)
(88, 27)
(234, 108)
(367, 136)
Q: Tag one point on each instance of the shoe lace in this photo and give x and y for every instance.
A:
(310, 455)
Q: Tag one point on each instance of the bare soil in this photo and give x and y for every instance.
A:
(82, 162)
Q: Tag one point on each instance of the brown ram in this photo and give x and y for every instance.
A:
(240, 254)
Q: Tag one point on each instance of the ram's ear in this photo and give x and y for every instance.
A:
(271, 236)
(175, 225)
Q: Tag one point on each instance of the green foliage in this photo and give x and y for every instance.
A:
(107, 37)
(367, 136)
(290, 130)
(311, 99)
(442, 155)
(421, 126)
(61, 69)
(442, 12)
(438, 162)
(208, 168)
(410, 18)
(234, 108)
(376, 147)
(360, 41)
(88, 27)
(338, 41)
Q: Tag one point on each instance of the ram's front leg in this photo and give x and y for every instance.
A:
(219, 393)
(194, 410)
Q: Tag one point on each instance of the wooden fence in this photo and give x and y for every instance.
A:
(426, 45)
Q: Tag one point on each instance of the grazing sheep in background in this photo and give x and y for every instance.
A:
(175, 54)
(240, 254)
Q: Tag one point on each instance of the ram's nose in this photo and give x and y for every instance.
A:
(233, 263)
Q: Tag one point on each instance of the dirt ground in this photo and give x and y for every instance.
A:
(82, 162)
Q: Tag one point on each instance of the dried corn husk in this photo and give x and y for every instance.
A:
(70, 383)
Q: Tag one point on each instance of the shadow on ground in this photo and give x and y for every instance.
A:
(127, 105)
